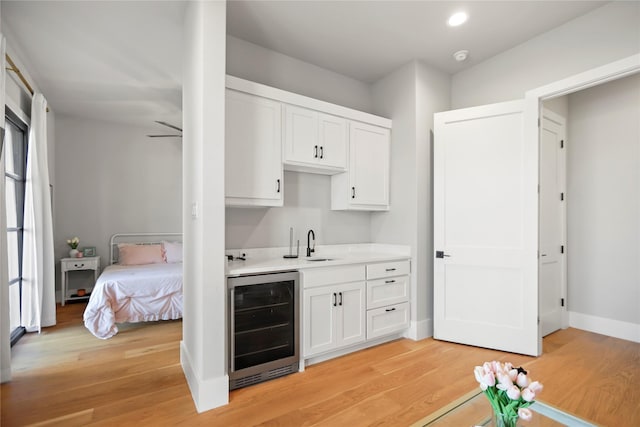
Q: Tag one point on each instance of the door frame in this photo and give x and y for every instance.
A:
(534, 98)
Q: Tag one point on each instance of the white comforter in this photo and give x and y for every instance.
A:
(141, 293)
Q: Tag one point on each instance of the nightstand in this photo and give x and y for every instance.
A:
(77, 264)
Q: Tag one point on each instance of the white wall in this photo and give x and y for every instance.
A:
(410, 96)
(432, 96)
(306, 196)
(395, 97)
(252, 62)
(17, 97)
(111, 178)
(603, 187)
(559, 105)
(307, 203)
(203, 349)
(604, 35)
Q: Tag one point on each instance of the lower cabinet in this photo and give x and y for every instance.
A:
(334, 317)
(388, 290)
(351, 304)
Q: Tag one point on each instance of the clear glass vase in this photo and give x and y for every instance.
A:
(502, 420)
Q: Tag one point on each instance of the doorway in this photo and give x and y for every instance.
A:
(552, 276)
(525, 169)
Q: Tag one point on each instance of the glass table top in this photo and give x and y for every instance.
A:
(474, 409)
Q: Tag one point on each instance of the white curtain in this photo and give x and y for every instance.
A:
(5, 333)
(38, 271)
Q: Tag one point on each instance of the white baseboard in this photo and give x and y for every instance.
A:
(206, 394)
(419, 330)
(5, 375)
(600, 325)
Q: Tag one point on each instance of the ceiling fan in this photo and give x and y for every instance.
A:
(167, 135)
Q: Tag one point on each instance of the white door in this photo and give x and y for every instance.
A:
(253, 150)
(301, 135)
(486, 229)
(352, 314)
(552, 219)
(319, 320)
(369, 164)
(332, 139)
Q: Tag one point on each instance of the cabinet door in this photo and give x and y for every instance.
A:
(352, 313)
(369, 165)
(253, 150)
(319, 320)
(301, 135)
(332, 139)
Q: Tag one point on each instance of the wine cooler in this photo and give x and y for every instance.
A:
(263, 327)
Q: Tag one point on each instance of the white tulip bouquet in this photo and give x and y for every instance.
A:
(509, 390)
(73, 243)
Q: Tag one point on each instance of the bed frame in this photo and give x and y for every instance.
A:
(138, 239)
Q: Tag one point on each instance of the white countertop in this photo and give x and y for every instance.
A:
(269, 260)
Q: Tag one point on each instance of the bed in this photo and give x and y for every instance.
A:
(137, 286)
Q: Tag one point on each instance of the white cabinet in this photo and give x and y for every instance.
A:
(388, 306)
(334, 317)
(332, 140)
(366, 185)
(77, 264)
(333, 314)
(313, 141)
(253, 151)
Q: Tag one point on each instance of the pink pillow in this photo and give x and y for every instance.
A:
(129, 254)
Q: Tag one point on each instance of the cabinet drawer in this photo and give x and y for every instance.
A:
(388, 269)
(80, 264)
(387, 320)
(331, 275)
(383, 292)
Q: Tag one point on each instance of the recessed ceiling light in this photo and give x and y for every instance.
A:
(458, 18)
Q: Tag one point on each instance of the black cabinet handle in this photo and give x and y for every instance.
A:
(389, 281)
(340, 293)
(278, 181)
(315, 151)
(390, 269)
(334, 299)
(78, 266)
(353, 192)
(321, 152)
(391, 309)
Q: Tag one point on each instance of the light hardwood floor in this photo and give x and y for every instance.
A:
(67, 377)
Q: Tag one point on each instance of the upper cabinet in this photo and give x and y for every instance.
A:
(313, 141)
(253, 150)
(366, 185)
(268, 129)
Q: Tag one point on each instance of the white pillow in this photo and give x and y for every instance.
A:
(172, 251)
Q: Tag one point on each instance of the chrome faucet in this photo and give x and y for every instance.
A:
(309, 248)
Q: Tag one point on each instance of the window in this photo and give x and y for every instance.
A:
(15, 144)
